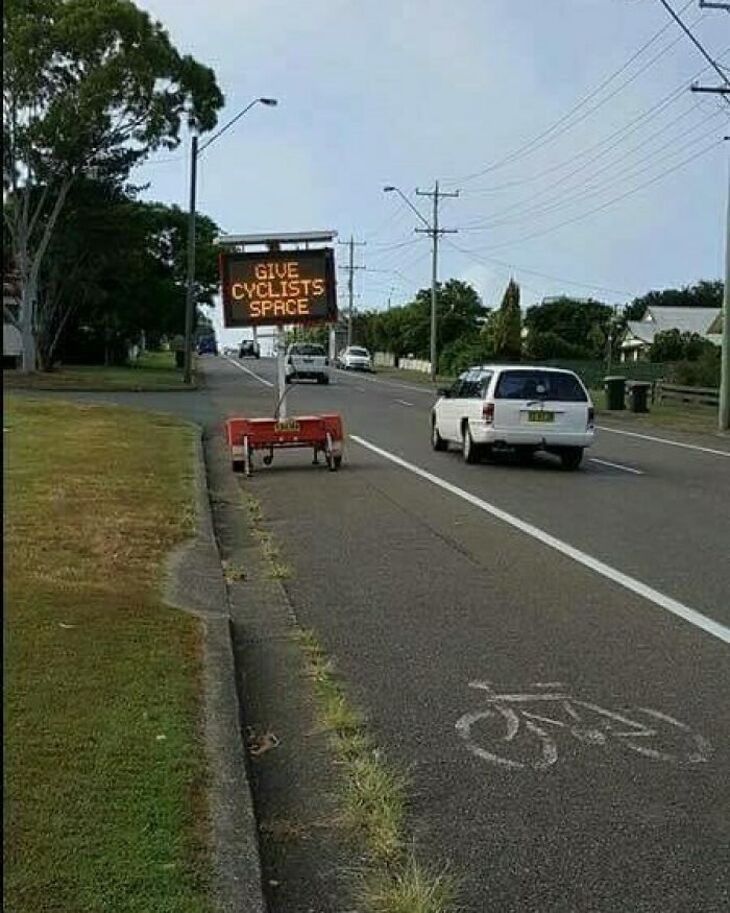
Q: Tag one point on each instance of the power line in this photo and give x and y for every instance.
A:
(514, 267)
(608, 203)
(635, 124)
(558, 127)
(591, 190)
(641, 146)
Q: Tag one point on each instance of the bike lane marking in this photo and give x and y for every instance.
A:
(709, 625)
(501, 704)
(248, 371)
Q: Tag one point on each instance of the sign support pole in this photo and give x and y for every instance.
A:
(280, 410)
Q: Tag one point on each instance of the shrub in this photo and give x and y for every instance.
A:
(550, 345)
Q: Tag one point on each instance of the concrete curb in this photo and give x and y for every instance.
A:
(196, 584)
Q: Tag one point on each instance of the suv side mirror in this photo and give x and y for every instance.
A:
(445, 392)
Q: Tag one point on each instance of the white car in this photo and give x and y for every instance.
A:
(307, 361)
(355, 358)
(522, 408)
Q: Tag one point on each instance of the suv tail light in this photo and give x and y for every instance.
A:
(591, 416)
(488, 413)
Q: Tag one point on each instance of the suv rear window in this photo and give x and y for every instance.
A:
(552, 385)
(356, 351)
(303, 349)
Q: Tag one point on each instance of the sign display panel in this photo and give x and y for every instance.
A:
(278, 287)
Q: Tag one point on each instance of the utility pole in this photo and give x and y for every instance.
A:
(724, 413)
(723, 90)
(435, 231)
(352, 244)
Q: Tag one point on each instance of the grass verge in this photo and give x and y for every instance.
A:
(374, 794)
(374, 800)
(104, 768)
(676, 416)
(153, 371)
(414, 377)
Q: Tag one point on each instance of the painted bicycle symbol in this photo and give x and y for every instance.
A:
(520, 729)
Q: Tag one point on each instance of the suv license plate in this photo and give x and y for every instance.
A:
(540, 416)
(287, 424)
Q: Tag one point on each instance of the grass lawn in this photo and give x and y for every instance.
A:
(152, 371)
(674, 416)
(104, 774)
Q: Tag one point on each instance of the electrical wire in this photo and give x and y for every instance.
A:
(563, 124)
(610, 202)
(591, 190)
(635, 124)
(514, 267)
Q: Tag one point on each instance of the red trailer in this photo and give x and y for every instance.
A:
(323, 433)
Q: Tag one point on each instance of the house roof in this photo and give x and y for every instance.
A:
(660, 319)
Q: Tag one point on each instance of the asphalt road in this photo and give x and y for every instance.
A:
(599, 780)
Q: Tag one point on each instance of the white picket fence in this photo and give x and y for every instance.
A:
(388, 360)
(384, 360)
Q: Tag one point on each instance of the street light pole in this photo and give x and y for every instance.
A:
(190, 285)
(190, 292)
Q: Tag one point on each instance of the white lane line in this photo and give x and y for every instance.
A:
(629, 583)
(403, 402)
(664, 440)
(241, 367)
(636, 472)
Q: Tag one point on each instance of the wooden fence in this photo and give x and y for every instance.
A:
(699, 395)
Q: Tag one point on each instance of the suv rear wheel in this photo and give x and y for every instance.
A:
(571, 457)
(470, 451)
(437, 442)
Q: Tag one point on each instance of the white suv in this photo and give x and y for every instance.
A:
(355, 358)
(517, 407)
(306, 360)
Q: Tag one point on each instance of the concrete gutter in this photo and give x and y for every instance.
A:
(196, 584)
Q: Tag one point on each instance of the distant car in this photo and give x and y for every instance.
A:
(207, 346)
(355, 358)
(307, 361)
(249, 348)
(515, 407)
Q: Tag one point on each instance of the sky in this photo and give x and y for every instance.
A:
(584, 164)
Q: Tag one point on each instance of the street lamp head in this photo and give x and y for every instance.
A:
(269, 101)
(388, 189)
